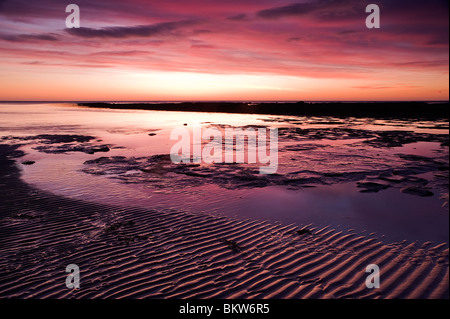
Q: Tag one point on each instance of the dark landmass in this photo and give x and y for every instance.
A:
(420, 110)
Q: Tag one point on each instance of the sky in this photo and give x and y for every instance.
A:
(255, 50)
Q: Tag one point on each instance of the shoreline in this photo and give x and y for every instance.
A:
(126, 252)
(410, 110)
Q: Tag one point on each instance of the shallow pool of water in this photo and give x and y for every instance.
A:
(389, 213)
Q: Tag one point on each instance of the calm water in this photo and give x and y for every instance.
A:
(389, 213)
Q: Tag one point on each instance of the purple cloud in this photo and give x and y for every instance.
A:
(28, 37)
(132, 31)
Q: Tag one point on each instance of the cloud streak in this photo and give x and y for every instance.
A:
(289, 10)
(29, 37)
(132, 31)
(319, 9)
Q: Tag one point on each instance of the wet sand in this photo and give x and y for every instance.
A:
(129, 252)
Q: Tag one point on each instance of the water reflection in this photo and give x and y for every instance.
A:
(315, 148)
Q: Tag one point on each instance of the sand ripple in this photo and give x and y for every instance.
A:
(144, 253)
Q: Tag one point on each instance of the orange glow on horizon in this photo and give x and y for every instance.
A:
(132, 85)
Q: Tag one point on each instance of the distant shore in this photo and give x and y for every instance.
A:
(420, 110)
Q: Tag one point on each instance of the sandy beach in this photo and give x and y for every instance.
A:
(131, 251)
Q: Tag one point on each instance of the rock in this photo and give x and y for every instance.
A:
(151, 134)
(232, 245)
(417, 181)
(333, 174)
(24, 216)
(392, 178)
(55, 138)
(423, 192)
(28, 162)
(116, 226)
(100, 149)
(412, 157)
(100, 160)
(303, 231)
(371, 187)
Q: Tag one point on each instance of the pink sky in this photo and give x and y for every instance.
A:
(224, 50)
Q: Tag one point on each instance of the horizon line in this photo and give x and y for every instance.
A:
(224, 101)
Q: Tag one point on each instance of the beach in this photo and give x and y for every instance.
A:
(224, 158)
(96, 188)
